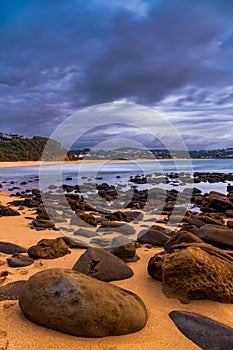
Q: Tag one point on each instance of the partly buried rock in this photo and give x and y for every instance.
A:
(11, 248)
(49, 249)
(103, 265)
(19, 260)
(220, 236)
(43, 224)
(203, 331)
(193, 273)
(73, 303)
(7, 211)
(156, 235)
(11, 291)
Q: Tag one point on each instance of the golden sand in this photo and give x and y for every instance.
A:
(160, 332)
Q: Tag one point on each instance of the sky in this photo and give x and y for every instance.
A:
(175, 57)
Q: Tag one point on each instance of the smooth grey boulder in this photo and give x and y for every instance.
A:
(76, 304)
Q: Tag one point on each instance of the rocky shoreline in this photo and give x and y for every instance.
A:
(188, 254)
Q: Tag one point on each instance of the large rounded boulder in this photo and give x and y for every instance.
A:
(76, 304)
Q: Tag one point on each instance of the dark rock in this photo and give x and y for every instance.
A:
(219, 236)
(73, 303)
(196, 221)
(52, 187)
(193, 273)
(11, 291)
(155, 264)
(116, 216)
(212, 218)
(7, 211)
(101, 241)
(31, 202)
(181, 237)
(49, 249)
(203, 331)
(83, 219)
(175, 220)
(124, 229)
(103, 265)
(124, 249)
(11, 248)
(229, 213)
(134, 215)
(73, 242)
(19, 260)
(230, 224)
(3, 274)
(189, 228)
(49, 214)
(85, 233)
(156, 235)
(43, 223)
(217, 201)
(110, 224)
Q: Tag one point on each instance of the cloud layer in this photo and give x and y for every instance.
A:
(176, 56)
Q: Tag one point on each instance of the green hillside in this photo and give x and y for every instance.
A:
(21, 149)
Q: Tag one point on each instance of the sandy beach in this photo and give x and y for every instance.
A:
(39, 163)
(86, 160)
(159, 333)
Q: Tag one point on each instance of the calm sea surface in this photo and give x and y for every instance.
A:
(131, 167)
(111, 172)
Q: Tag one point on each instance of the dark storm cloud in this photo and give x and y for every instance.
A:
(59, 56)
(176, 44)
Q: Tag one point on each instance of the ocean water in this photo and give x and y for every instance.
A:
(116, 173)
